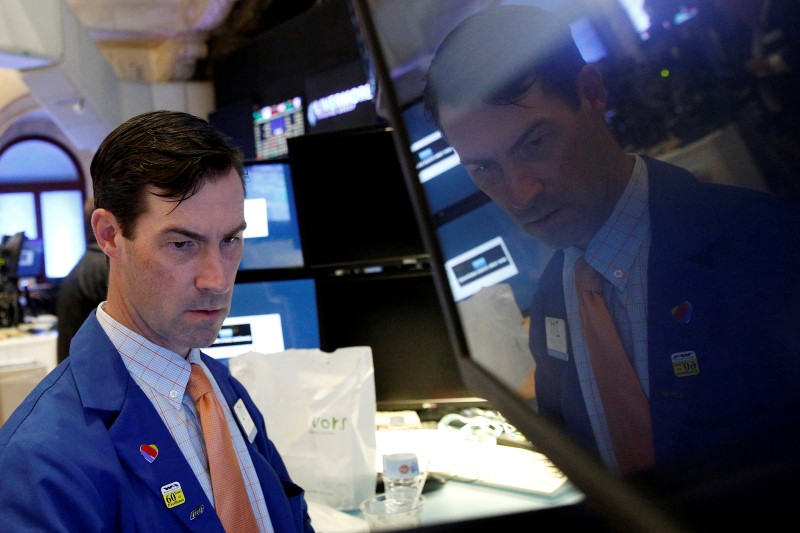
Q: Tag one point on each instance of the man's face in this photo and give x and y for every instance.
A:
(547, 165)
(174, 280)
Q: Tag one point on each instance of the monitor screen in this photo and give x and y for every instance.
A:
(340, 97)
(353, 203)
(272, 237)
(399, 317)
(274, 124)
(31, 259)
(268, 317)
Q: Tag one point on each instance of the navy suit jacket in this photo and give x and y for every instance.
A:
(70, 458)
(734, 255)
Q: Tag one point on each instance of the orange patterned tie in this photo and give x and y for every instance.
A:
(230, 495)
(625, 403)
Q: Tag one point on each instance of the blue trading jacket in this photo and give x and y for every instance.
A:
(70, 455)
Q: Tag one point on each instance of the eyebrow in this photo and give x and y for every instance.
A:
(521, 139)
(526, 134)
(198, 237)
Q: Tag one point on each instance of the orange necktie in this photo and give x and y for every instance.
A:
(625, 403)
(230, 495)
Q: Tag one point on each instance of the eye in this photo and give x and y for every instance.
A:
(484, 173)
(532, 146)
(181, 245)
(231, 240)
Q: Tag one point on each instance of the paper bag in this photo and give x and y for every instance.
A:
(319, 409)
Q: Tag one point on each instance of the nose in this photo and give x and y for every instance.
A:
(212, 274)
(522, 187)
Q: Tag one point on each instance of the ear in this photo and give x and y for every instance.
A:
(592, 90)
(106, 231)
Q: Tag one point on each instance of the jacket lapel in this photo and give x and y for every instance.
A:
(682, 295)
(107, 390)
(165, 477)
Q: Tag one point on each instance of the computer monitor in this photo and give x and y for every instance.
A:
(272, 237)
(275, 123)
(398, 316)
(352, 202)
(340, 97)
(269, 316)
(31, 259)
(636, 504)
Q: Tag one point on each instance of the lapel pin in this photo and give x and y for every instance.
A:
(149, 452)
(682, 312)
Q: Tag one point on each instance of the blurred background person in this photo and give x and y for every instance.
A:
(83, 288)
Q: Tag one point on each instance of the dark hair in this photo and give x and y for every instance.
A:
(175, 153)
(497, 54)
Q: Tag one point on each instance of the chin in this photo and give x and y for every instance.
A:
(550, 240)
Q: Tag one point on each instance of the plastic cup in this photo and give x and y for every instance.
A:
(380, 518)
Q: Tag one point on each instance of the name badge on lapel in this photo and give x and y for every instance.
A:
(556, 333)
(245, 422)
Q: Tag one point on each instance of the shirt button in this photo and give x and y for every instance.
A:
(618, 273)
(173, 393)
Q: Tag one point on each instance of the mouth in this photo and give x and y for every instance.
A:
(210, 313)
(541, 221)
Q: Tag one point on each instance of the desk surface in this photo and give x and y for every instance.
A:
(456, 501)
(472, 470)
(18, 346)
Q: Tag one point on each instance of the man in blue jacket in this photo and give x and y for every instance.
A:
(111, 440)
(702, 281)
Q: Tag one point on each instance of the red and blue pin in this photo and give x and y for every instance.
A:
(149, 452)
(682, 312)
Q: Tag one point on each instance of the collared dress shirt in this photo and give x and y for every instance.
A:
(619, 252)
(163, 376)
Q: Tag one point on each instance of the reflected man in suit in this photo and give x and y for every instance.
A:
(701, 279)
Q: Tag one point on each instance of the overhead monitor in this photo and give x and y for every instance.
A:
(275, 123)
(340, 97)
(353, 204)
(272, 237)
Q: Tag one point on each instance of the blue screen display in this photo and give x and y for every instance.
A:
(31, 260)
(269, 317)
(272, 237)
